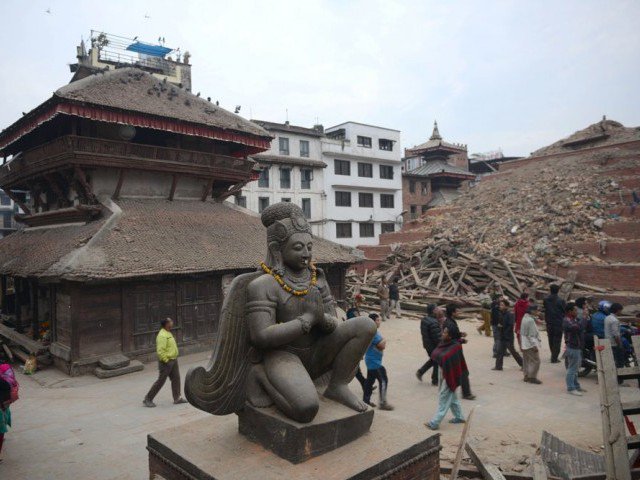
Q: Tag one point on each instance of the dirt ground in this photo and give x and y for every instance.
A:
(89, 428)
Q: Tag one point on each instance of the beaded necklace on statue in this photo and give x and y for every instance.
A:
(288, 288)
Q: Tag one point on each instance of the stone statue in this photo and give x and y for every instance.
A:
(279, 333)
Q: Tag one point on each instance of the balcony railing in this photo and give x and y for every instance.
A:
(113, 152)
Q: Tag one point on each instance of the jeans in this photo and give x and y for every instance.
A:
(447, 399)
(503, 346)
(379, 374)
(360, 378)
(574, 360)
(395, 305)
(496, 339)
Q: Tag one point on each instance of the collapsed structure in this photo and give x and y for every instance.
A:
(565, 211)
(121, 177)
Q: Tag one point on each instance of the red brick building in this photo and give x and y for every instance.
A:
(432, 173)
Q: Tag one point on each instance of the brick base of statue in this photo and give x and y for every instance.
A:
(333, 446)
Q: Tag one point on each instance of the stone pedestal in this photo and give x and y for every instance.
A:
(334, 426)
(212, 449)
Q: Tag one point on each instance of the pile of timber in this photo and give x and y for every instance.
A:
(18, 346)
(442, 273)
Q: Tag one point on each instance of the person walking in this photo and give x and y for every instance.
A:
(431, 333)
(485, 326)
(506, 329)
(531, 344)
(519, 309)
(461, 337)
(450, 360)
(612, 333)
(167, 350)
(375, 370)
(353, 312)
(495, 321)
(574, 339)
(5, 398)
(383, 297)
(394, 298)
(554, 313)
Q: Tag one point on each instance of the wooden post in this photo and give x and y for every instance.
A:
(613, 426)
(174, 184)
(116, 192)
(206, 190)
(539, 469)
(463, 440)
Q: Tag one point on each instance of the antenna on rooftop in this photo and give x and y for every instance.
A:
(287, 114)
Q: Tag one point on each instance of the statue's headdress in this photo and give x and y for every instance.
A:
(283, 220)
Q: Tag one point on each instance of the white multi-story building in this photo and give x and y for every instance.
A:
(363, 183)
(7, 211)
(292, 170)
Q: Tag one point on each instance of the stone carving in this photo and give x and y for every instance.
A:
(279, 333)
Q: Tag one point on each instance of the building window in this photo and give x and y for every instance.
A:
(284, 146)
(343, 230)
(342, 167)
(241, 201)
(386, 171)
(388, 227)
(365, 200)
(364, 142)
(306, 175)
(413, 211)
(4, 199)
(263, 179)
(306, 207)
(412, 186)
(365, 170)
(425, 188)
(287, 200)
(425, 208)
(386, 200)
(366, 229)
(343, 199)
(263, 202)
(304, 148)
(385, 144)
(6, 220)
(285, 178)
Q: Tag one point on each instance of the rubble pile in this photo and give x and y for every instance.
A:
(442, 272)
(533, 213)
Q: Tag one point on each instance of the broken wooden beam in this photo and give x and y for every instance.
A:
(486, 469)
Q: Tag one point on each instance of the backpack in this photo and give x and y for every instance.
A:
(7, 374)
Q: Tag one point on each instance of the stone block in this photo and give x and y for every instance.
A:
(334, 426)
(113, 362)
(134, 366)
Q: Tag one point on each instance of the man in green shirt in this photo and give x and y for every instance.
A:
(167, 350)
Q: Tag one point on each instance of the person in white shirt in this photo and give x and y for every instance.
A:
(531, 343)
(612, 332)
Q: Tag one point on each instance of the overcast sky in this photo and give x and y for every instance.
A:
(514, 75)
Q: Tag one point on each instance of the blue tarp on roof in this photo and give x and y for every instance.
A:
(148, 49)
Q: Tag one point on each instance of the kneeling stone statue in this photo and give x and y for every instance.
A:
(279, 333)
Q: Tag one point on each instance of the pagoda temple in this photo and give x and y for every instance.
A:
(121, 178)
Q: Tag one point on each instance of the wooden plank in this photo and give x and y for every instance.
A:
(440, 280)
(633, 442)
(628, 373)
(566, 461)
(487, 470)
(446, 271)
(501, 283)
(463, 441)
(82, 178)
(416, 278)
(613, 425)
(206, 190)
(539, 470)
(631, 408)
(460, 279)
(513, 277)
(428, 282)
(174, 184)
(31, 346)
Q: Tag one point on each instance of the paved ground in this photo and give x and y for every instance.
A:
(89, 428)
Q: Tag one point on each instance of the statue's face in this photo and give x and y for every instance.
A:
(296, 252)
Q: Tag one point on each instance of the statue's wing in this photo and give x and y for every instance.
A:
(219, 388)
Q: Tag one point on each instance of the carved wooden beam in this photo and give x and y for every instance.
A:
(82, 178)
(174, 184)
(57, 190)
(17, 201)
(206, 191)
(232, 191)
(116, 192)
